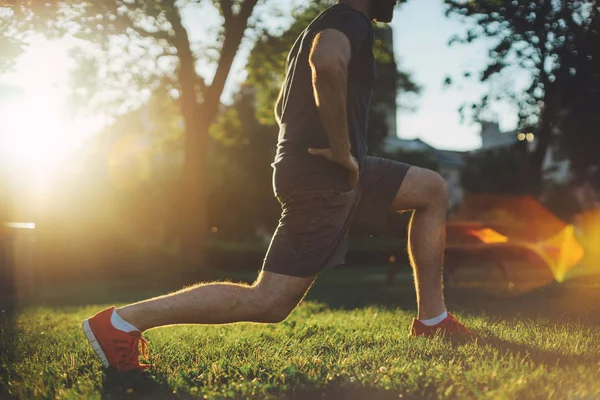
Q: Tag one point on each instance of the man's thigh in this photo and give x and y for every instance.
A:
(379, 184)
(311, 233)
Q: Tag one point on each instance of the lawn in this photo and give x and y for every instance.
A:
(347, 340)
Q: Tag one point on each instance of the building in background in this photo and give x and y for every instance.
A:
(492, 137)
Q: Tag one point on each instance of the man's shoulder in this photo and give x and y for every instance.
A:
(340, 14)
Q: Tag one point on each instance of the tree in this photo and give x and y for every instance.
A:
(496, 171)
(266, 71)
(546, 39)
(135, 47)
(580, 102)
(243, 152)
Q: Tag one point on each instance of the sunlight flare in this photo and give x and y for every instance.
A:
(36, 131)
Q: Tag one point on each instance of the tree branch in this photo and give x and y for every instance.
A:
(233, 37)
(226, 9)
(158, 35)
(124, 22)
(246, 10)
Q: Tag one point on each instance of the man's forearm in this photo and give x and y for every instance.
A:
(330, 90)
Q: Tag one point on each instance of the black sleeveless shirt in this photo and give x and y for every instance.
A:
(300, 126)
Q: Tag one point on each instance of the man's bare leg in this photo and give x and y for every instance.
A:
(270, 299)
(426, 193)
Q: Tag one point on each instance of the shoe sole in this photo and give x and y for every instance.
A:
(89, 334)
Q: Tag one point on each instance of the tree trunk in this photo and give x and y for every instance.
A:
(190, 199)
(535, 171)
(193, 192)
(198, 115)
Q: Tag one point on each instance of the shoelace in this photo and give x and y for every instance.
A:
(130, 351)
(140, 343)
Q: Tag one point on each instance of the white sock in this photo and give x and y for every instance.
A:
(120, 323)
(436, 320)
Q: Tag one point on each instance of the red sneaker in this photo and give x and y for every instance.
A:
(449, 327)
(117, 349)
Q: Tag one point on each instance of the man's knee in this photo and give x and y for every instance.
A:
(439, 191)
(422, 189)
(277, 295)
(276, 308)
(276, 313)
(431, 190)
(434, 192)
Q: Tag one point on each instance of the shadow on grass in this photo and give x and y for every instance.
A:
(349, 393)
(135, 386)
(150, 386)
(539, 356)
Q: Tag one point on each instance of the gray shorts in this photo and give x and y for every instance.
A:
(313, 230)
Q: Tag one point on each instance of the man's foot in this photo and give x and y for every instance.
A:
(117, 349)
(449, 328)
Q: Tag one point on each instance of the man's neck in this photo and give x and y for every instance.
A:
(364, 6)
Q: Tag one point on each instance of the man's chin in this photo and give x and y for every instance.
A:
(385, 20)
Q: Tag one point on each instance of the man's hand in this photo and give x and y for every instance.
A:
(347, 161)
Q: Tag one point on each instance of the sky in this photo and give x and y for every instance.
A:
(421, 32)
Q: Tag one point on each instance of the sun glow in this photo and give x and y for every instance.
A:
(35, 134)
(35, 129)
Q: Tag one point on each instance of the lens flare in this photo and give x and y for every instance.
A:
(489, 236)
(517, 233)
(587, 232)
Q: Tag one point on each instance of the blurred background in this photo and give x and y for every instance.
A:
(136, 136)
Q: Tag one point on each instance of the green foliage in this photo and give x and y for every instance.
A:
(228, 129)
(580, 101)
(241, 198)
(129, 50)
(556, 43)
(347, 339)
(536, 36)
(499, 171)
(117, 57)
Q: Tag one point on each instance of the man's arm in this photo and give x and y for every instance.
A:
(279, 106)
(329, 59)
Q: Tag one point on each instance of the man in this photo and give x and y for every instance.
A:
(322, 177)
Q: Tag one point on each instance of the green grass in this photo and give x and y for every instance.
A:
(347, 340)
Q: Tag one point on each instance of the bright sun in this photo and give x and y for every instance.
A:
(35, 130)
(35, 134)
